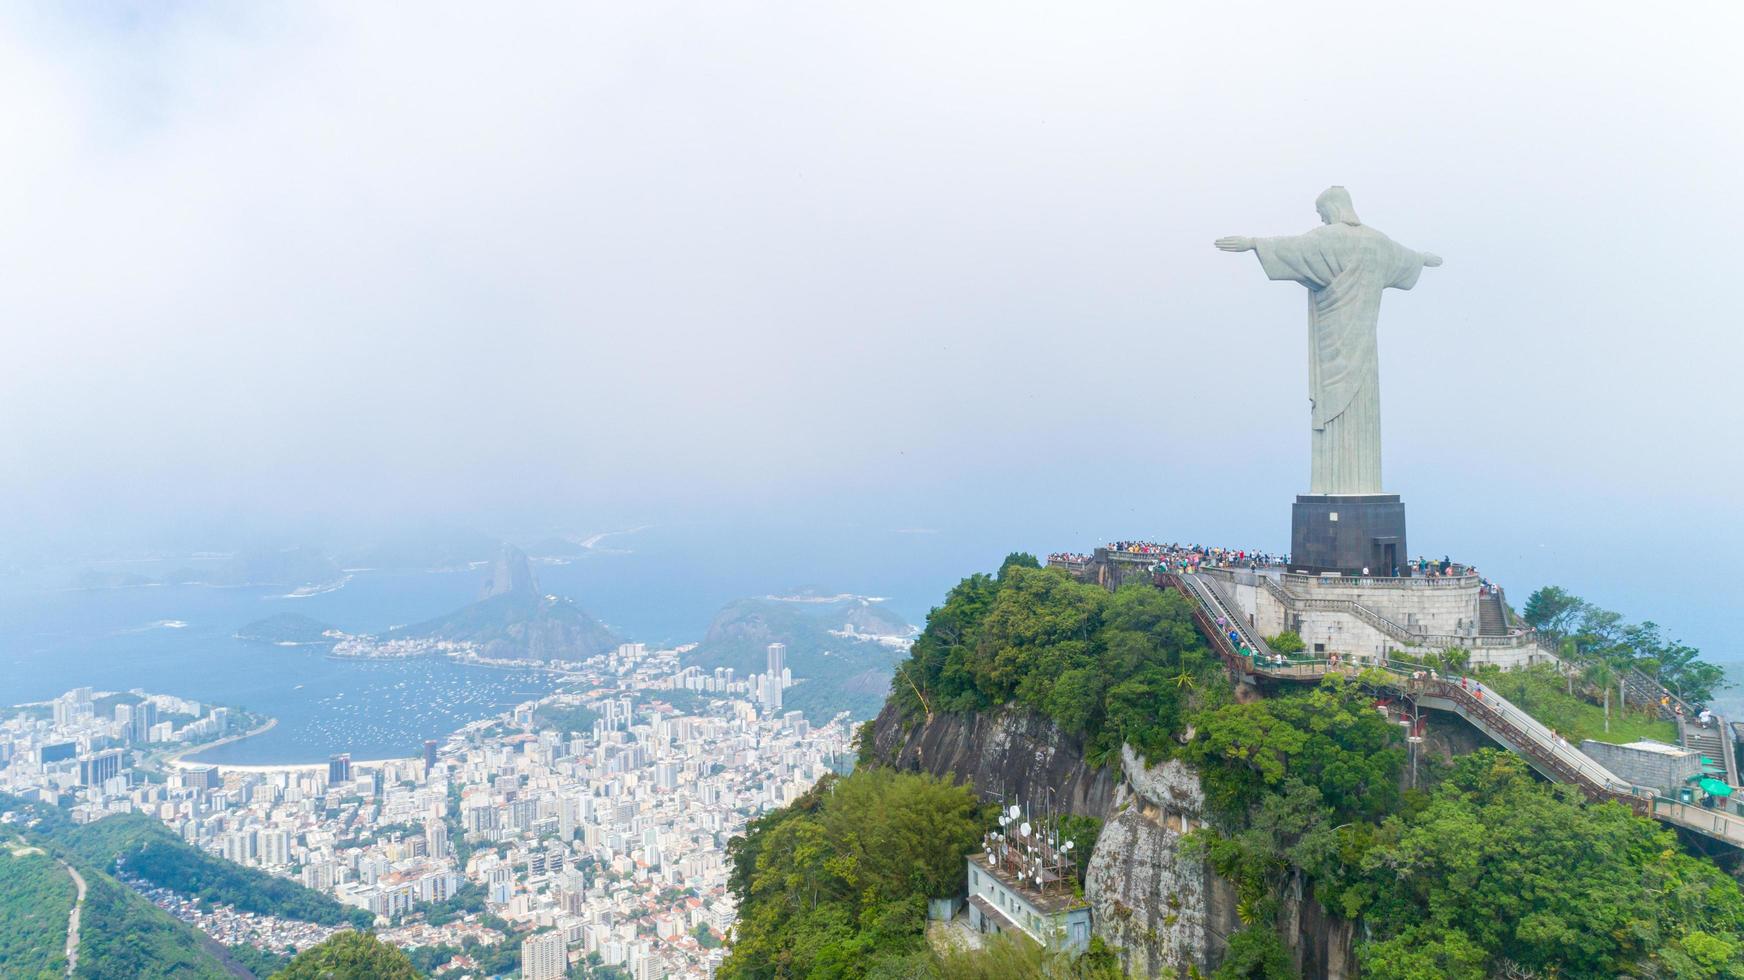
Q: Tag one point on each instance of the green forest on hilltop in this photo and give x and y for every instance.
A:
(149, 850)
(350, 956)
(1482, 870)
(36, 896)
(1110, 667)
(122, 934)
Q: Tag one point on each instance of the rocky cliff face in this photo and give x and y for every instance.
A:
(1165, 912)
(1162, 910)
(1013, 756)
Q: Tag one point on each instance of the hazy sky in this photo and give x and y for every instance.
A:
(941, 266)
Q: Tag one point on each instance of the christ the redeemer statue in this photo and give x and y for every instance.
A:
(1345, 265)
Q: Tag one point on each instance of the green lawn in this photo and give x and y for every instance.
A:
(1543, 694)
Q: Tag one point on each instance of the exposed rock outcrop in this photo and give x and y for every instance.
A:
(1165, 912)
(1014, 756)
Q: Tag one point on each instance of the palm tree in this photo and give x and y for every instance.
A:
(1600, 673)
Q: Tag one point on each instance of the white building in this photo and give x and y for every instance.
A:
(544, 957)
(1000, 902)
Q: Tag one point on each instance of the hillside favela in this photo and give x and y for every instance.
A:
(572, 492)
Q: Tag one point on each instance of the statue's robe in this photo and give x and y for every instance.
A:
(1345, 267)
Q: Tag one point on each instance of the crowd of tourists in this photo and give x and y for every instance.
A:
(1189, 557)
(1430, 568)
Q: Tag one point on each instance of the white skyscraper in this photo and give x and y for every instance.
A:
(543, 957)
(777, 659)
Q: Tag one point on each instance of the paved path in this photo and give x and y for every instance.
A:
(1489, 712)
(73, 919)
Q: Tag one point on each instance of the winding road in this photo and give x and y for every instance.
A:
(73, 919)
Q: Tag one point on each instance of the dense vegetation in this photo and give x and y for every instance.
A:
(287, 627)
(121, 935)
(35, 898)
(1499, 874)
(1107, 667)
(151, 851)
(1600, 638)
(350, 956)
(836, 884)
(1488, 871)
(504, 957)
(262, 963)
(565, 718)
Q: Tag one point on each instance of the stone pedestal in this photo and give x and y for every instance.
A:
(1347, 533)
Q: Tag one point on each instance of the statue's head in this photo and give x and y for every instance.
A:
(1335, 207)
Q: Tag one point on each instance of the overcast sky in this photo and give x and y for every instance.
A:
(932, 265)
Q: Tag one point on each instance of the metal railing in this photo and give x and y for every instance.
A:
(1488, 711)
(1406, 636)
(1466, 581)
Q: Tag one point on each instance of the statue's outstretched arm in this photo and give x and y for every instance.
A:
(1235, 243)
(1431, 260)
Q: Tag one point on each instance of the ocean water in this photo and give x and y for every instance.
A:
(660, 586)
(181, 640)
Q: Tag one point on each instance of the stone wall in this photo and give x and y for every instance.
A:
(1417, 608)
(1666, 768)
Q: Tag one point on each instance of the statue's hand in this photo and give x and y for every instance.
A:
(1431, 260)
(1236, 243)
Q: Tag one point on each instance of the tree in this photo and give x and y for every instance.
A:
(1600, 674)
(1499, 870)
(1553, 611)
(350, 956)
(1017, 559)
(838, 883)
(1286, 643)
(1256, 953)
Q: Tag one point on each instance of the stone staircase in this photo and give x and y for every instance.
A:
(1492, 616)
(1712, 743)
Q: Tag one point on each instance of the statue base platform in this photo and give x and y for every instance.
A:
(1347, 533)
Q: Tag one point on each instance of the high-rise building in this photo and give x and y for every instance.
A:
(543, 957)
(436, 838)
(95, 770)
(275, 848)
(56, 752)
(429, 757)
(566, 809)
(200, 777)
(144, 717)
(339, 768)
(777, 659)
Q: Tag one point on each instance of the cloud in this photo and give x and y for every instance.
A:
(281, 263)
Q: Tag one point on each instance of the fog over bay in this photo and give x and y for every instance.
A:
(937, 278)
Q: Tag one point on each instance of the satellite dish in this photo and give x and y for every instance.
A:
(1015, 810)
(1068, 845)
(1025, 828)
